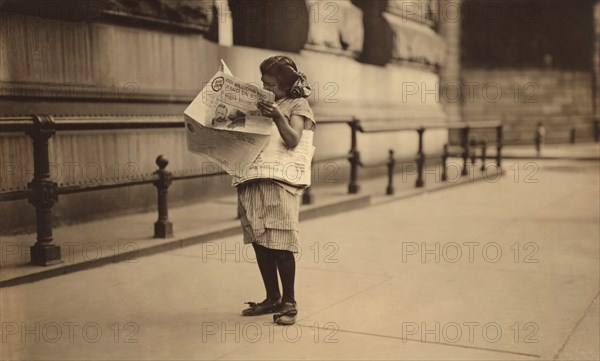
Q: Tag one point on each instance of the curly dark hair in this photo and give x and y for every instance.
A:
(283, 69)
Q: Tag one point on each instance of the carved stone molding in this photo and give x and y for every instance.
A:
(421, 11)
(196, 14)
(414, 42)
(180, 15)
(115, 92)
(401, 31)
(335, 26)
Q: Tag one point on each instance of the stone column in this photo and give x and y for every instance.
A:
(225, 23)
(596, 63)
(450, 71)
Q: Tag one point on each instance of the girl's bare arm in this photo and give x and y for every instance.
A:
(290, 132)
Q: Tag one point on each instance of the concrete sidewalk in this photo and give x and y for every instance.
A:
(579, 151)
(97, 243)
(498, 269)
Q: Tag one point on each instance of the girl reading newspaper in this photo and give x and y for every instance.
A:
(269, 208)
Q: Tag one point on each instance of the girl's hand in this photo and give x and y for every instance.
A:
(270, 109)
(291, 131)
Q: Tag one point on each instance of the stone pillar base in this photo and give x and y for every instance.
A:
(163, 229)
(45, 254)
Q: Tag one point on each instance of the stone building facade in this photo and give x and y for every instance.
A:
(413, 61)
(148, 59)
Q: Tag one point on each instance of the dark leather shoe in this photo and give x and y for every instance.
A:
(287, 314)
(262, 308)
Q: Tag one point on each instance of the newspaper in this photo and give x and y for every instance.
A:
(292, 166)
(230, 104)
(224, 124)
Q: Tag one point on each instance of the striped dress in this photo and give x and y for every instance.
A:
(269, 209)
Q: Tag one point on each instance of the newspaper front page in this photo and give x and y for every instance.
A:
(224, 124)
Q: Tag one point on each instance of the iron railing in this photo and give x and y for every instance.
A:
(42, 192)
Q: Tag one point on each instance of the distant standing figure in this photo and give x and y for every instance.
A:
(540, 135)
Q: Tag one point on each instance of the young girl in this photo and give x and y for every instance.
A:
(269, 208)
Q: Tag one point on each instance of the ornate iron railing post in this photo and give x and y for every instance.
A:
(307, 196)
(420, 160)
(499, 140)
(163, 228)
(44, 193)
(391, 162)
(483, 154)
(354, 158)
(473, 149)
(465, 144)
(444, 163)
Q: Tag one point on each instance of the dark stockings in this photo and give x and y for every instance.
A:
(286, 263)
(268, 270)
(269, 261)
